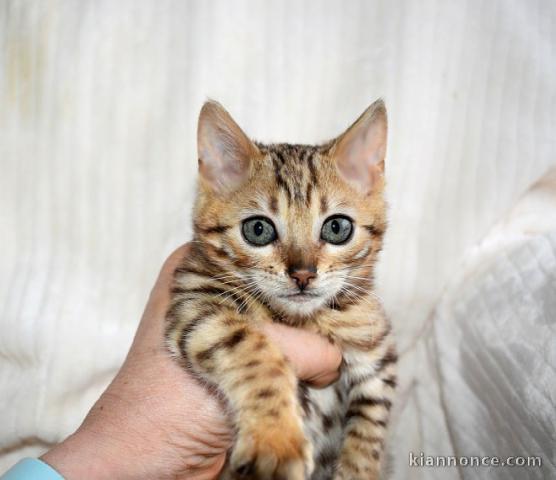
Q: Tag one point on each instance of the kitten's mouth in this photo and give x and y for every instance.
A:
(300, 303)
(303, 296)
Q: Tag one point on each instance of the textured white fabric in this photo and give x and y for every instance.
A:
(483, 371)
(496, 341)
(98, 106)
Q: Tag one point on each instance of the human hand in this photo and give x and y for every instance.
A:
(155, 420)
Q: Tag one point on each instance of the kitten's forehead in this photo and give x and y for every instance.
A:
(297, 174)
(298, 186)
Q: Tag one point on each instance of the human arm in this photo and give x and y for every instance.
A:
(155, 420)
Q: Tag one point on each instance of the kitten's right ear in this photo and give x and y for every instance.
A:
(225, 153)
(359, 152)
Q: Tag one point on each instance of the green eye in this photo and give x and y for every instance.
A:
(258, 231)
(336, 229)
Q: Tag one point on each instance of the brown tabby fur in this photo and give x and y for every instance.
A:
(285, 429)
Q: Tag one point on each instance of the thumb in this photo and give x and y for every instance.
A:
(314, 358)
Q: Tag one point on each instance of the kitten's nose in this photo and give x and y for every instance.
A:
(302, 277)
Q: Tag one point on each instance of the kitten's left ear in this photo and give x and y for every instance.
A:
(225, 152)
(359, 152)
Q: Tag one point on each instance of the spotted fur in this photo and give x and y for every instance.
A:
(226, 288)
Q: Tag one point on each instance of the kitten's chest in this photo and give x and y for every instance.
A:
(325, 410)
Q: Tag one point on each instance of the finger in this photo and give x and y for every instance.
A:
(314, 358)
(150, 331)
(167, 271)
(160, 293)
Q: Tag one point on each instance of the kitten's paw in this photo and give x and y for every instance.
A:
(354, 472)
(340, 475)
(272, 454)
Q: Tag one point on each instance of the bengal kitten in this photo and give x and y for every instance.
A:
(289, 233)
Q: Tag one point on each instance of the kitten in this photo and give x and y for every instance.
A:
(289, 233)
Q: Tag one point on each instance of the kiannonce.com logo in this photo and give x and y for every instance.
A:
(422, 460)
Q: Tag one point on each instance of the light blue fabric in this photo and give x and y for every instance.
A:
(31, 469)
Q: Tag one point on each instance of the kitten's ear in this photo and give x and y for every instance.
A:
(225, 153)
(359, 152)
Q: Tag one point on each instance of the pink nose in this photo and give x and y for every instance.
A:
(302, 277)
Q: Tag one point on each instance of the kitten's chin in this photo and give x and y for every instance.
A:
(299, 305)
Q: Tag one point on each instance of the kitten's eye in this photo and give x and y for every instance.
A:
(336, 230)
(258, 231)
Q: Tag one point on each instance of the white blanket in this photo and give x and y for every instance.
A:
(98, 106)
(481, 374)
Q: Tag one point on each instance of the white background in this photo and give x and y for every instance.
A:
(98, 109)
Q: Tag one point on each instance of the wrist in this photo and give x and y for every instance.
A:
(97, 456)
(84, 455)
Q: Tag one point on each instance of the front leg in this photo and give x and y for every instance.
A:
(371, 380)
(220, 346)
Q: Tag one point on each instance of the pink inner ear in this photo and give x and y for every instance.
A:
(224, 150)
(221, 168)
(360, 153)
(354, 168)
(235, 173)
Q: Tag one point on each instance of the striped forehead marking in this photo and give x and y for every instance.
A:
(295, 171)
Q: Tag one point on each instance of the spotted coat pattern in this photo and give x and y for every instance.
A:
(286, 429)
